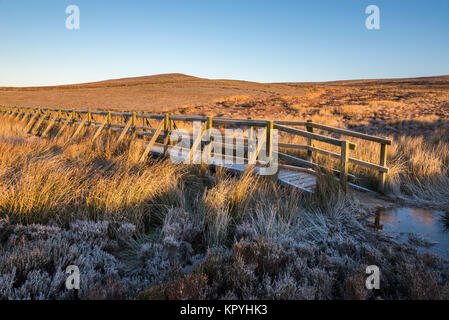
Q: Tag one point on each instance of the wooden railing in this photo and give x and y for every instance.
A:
(138, 124)
(344, 145)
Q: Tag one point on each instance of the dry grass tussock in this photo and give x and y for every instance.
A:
(159, 231)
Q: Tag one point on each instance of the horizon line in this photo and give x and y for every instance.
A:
(218, 79)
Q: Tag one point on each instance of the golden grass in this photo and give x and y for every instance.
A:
(50, 179)
(43, 180)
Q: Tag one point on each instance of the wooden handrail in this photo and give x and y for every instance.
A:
(310, 135)
(351, 133)
(362, 163)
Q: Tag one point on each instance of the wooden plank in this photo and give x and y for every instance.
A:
(310, 183)
(288, 175)
(167, 130)
(36, 125)
(350, 133)
(50, 125)
(19, 114)
(207, 150)
(291, 175)
(318, 126)
(346, 132)
(300, 176)
(62, 128)
(35, 129)
(13, 112)
(316, 136)
(308, 190)
(78, 130)
(240, 122)
(290, 123)
(125, 131)
(152, 141)
(196, 143)
(306, 182)
(25, 117)
(260, 144)
(362, 163)
(100, 128)
(305, 163)
(33, 119)
(303, 182)
(188, 118)
(285, 167)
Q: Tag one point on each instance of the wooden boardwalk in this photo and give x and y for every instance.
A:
(300, 180)
(158, 129)
(304, 181)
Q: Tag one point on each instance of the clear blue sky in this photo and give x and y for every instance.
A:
(256, 40)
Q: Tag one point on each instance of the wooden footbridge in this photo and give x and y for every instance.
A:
(250, 152)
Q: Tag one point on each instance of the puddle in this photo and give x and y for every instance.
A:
(416, 226)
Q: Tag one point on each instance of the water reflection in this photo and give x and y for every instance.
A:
(427, 224)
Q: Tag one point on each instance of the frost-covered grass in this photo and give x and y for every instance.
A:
(158, 231)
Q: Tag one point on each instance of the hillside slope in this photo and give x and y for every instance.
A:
(149, 93)
(347, 103)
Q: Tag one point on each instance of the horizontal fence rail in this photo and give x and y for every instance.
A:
(159, 133)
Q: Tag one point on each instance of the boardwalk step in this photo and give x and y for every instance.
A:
(301, 180)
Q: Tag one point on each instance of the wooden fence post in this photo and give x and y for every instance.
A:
(109, 121)
(61, 129)
(25, 116)
(13, 110)
(19, 112)
(252, 142)
(170, 128)
(51, 122)
(100, 128)
(152, 141)
(33, 120)
(344, 165)
(383, 162)
(196, 143)
(269, 142)
(309, 142)
(166, 131)
(133, 120)
(89, 117)
(58, 115)
(125, 130)
(208, 147)
(133, 124)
